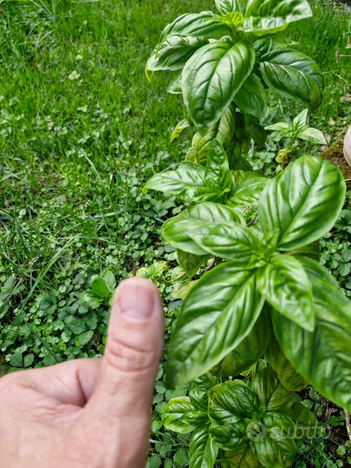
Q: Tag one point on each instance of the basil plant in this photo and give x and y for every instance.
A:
(266, 296)
(225, 64)
(255, 425)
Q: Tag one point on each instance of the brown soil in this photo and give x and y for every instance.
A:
(338, 437)
(335, 154)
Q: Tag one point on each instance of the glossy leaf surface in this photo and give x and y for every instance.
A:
(190, 262)
(187, 182)
(217, 174)
(276, 449)
(284, 284)
(231, 402)
(174, 52)
(229, 436)
(251, 97)
(231, 241)
(242, 457)
(175, 415)
(294, 75)
(176, 230)
(204, 24)
(248, 352)
(271, 392)
(265, 44)
(219, 312)
(313, 135)
(322, 357)
(227, 6)
(303, 202)
(223, 131)
(273, 15)
(248, 191)
(199, 391)
(265, 17)
(212, 77)
(202, 449)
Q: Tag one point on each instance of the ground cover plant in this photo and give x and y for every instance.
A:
(75, 153)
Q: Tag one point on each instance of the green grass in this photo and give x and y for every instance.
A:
(81, 129)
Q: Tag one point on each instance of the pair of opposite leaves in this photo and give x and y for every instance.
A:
(311, 317)
(226, 416)
(192, 182)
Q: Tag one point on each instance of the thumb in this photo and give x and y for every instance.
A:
(120, 405)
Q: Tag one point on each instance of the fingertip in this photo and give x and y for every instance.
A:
(137, 298)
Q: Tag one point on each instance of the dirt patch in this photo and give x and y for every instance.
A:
(335, 154)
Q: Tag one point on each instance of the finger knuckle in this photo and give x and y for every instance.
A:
(129, 357)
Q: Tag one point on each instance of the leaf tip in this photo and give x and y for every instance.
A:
(149, 74)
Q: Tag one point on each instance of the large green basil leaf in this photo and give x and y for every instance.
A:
(223, 131)
(202, 449)
(204, 24)
(217, 174)
(326, 289)
(265, 44)
(175, 415)
(190, 262)
(322, 357)
(248, 352)
(265, 17)
(277, 449)
(212, 77)
(230, 436)
(287, 374)
(231, 402)
(231, 241)
(294, 75)
(180, 415)
(175, 230)
(174, 52)
(284, 284)
(218, 313)
(271, 392)
(200, 389)
(251, 97)
(187, 182)
(303, 202)
(242, 457)
(248, 191)
(273, 15)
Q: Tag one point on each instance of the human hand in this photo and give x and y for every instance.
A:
(91, 413)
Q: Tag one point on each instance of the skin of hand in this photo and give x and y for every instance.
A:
(91, 413)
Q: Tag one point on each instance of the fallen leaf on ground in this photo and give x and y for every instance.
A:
(347, 97)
